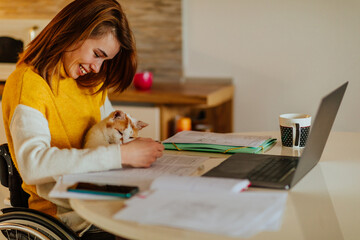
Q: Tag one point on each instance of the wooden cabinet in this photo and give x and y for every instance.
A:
(211, 98)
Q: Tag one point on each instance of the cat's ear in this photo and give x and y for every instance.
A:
(141, 124)
(119, 114)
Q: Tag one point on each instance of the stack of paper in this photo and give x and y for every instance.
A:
(217, 142)
(212, 210)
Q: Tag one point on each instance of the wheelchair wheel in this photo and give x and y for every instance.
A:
(13, 231)
(31, 225)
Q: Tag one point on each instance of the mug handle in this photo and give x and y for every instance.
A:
(297, 134)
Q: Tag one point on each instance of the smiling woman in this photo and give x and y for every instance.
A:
(89, 55)
(58, 91)
(78, 22)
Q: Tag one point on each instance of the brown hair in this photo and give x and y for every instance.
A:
(78, 21)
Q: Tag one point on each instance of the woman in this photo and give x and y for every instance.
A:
(59, 90)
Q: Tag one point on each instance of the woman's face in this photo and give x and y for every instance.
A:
(88, 56)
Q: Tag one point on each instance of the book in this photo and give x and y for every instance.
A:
(218, 142)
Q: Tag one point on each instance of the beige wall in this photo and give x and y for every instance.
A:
(283, 55)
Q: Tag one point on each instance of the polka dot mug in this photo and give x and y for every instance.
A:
(294, 128)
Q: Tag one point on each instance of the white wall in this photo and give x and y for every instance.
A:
(283, 55)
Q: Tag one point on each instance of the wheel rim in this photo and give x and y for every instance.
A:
(23, 229)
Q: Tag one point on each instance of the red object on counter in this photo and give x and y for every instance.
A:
(143, 80)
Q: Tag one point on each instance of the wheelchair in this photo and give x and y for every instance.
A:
(20, 222)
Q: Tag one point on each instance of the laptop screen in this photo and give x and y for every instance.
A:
(319, 133)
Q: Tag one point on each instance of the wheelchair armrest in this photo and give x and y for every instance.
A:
(11, 179)
(6, 165)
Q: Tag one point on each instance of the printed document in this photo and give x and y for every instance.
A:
(168, 164)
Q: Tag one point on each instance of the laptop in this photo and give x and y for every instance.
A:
(283, 172)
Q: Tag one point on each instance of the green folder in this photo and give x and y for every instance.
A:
(217, 148)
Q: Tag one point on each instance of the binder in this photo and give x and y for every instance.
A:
(218, 142)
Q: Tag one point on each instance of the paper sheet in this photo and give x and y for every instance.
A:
(200, 184)
(168, 164)
(240, 215)
(216, 138)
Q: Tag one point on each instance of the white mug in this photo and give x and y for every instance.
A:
(295, 129)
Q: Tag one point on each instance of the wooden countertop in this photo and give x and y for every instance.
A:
(202, 92)
(209, 94)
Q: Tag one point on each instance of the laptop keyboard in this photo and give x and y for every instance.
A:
(273, 170)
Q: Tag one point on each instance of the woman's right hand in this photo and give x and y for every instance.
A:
(141, 152)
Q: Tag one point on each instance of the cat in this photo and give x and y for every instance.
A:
(117, 128)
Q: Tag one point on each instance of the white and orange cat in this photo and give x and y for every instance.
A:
(118, 127)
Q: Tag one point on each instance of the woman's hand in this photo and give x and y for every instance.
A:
(141, 152)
